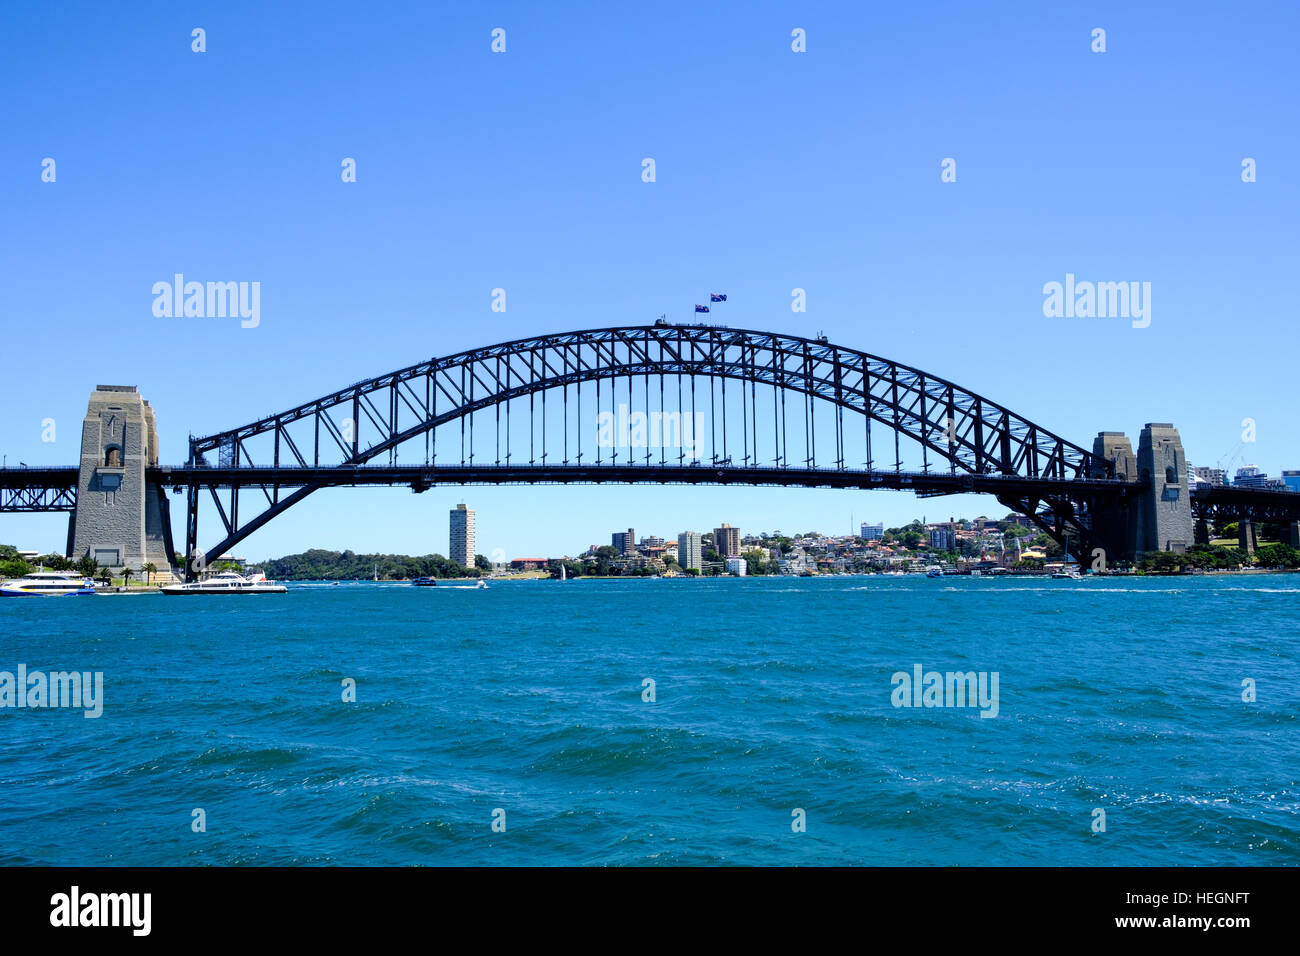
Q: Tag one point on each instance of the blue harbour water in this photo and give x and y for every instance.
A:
(771, 695)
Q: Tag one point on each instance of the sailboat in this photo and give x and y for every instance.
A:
(564, 573)
(376, 572)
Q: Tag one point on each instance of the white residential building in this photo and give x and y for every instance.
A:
(690, 550)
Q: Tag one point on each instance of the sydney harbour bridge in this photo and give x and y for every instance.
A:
(661, 404)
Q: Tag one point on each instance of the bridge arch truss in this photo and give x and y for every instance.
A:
(780, 409)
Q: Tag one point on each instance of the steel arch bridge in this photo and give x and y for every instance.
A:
(783, 422)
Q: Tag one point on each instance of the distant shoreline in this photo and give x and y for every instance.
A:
(543, 576)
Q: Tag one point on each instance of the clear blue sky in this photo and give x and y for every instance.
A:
(522, 170)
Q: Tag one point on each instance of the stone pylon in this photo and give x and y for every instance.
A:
(1164, 513)
(122, 519)
(1160, 517)
(1116, 522)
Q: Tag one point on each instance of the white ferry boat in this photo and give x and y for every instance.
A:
(47, 584)
(227, 582)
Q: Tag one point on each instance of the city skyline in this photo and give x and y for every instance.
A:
(627, 543)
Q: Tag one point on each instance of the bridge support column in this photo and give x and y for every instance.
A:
(1246, 535)
(1202, 533)
(1116, 521)
(1164, 510)
(1293, 534)
(122, 520)
(1159, 517)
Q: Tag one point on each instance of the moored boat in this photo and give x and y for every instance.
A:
(48, 584)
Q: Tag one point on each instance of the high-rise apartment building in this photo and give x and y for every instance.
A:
(462, 548)
(624, 542)
(726, 541)
(690, 550)
(1215, 476)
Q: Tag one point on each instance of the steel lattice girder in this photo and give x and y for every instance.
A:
(1065, 518)
(38, 489)
(38, 498)
(1233, 504)
(972, 433)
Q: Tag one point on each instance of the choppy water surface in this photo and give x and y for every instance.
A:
(771, 695)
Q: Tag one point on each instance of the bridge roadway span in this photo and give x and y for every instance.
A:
(423, 477)
(54, 488)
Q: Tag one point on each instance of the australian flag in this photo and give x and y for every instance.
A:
(701, 308)
(714, 297)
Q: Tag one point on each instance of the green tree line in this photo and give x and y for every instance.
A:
(321, 565)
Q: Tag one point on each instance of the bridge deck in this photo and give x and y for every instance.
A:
(38, 489)
(426, 476)
(53, 488)
(59, 476)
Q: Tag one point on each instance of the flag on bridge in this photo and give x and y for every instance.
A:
(701, 308)
(714, 297)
